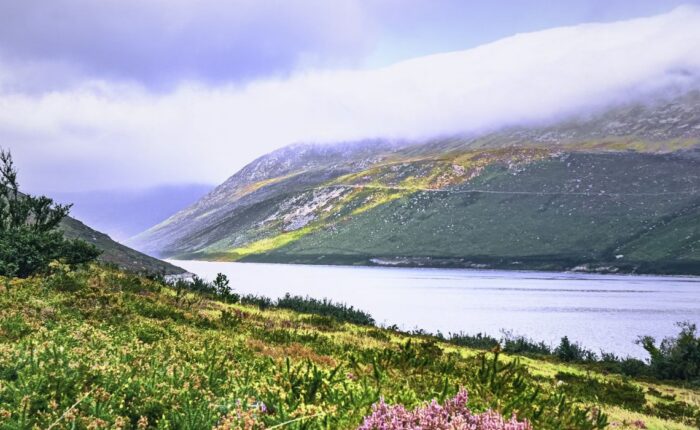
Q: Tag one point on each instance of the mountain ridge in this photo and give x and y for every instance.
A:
(312, 203)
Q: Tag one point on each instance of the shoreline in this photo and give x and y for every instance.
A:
(585, 274)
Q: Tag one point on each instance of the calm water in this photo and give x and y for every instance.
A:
(599, 311)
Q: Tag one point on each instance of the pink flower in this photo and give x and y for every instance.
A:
(453, 415)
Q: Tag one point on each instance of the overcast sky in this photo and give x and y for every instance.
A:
(137, 93)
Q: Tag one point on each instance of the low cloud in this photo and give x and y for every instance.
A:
(159, 43)
(108, 133)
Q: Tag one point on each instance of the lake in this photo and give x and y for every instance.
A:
(607, 312)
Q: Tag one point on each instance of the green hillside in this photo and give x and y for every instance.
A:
(628, 211)
(98, 348)
(114, 252)
(617, 191)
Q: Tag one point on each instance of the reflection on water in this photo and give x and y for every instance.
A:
(600, 311)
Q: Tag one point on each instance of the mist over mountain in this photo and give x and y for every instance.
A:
(616, 190)
(124, 213)
(199, 132)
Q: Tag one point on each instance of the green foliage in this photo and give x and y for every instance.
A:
(573, 352)
(114, 350)
(611, 392)
(677, 411)
(508, 387)
(325, 307)
(14, 328)
(29, 239)
(677, 357)
(261, 302)
(597, 206)
(524, 346)
(478, 341)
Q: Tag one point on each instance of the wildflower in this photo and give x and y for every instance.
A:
(453, 415)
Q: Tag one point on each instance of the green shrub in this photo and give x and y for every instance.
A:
(63, 278)
(523, 345)
(325, 307)
(261, 302)
(29, 239)
(223, 290)
(573, 352)
(477, 341)
(509, 388)
(150, 333)
(612, 392)
(676, 357)
(677, 411)
(14, 327)
(231, 319)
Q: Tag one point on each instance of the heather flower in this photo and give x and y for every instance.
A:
(452, 415)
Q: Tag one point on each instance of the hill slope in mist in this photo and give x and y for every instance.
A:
(114, 252)
(616, 191)
(124, 213)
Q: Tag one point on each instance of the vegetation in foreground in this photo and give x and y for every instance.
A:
(29, 238)
(86, 347)
(99, 348)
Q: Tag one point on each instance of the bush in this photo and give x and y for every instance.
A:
(62, 278)
(612, 392)
(261, 302)
(29, 239)
(478, 341)
(524, 345)
(13, 328)
(676, 357)
(325, 307)
(573, 352)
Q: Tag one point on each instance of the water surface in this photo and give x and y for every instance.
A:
(605, 312)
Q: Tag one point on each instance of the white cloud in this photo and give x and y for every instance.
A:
(116, 135)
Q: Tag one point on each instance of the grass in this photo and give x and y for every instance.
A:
(627, 212)
(619, 204)
(99, 348)
(267, 244)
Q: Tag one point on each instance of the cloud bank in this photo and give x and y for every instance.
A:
(121, 134)
(160, 42)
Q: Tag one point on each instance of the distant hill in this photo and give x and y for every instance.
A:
(617, 190)
(124, 213)
(116, 253)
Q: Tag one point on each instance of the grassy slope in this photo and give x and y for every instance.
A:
(129, 350)
(116, 253)
(620, 193)
(634, 211)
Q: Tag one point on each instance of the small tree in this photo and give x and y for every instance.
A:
(223, 290)
(29, 235)
(676, 357)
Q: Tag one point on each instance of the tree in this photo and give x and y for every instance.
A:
(223, 290)
(676, 357)
(29, 235)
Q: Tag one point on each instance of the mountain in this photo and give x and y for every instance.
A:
(124, 213)
(614, 190)
(116, 253)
